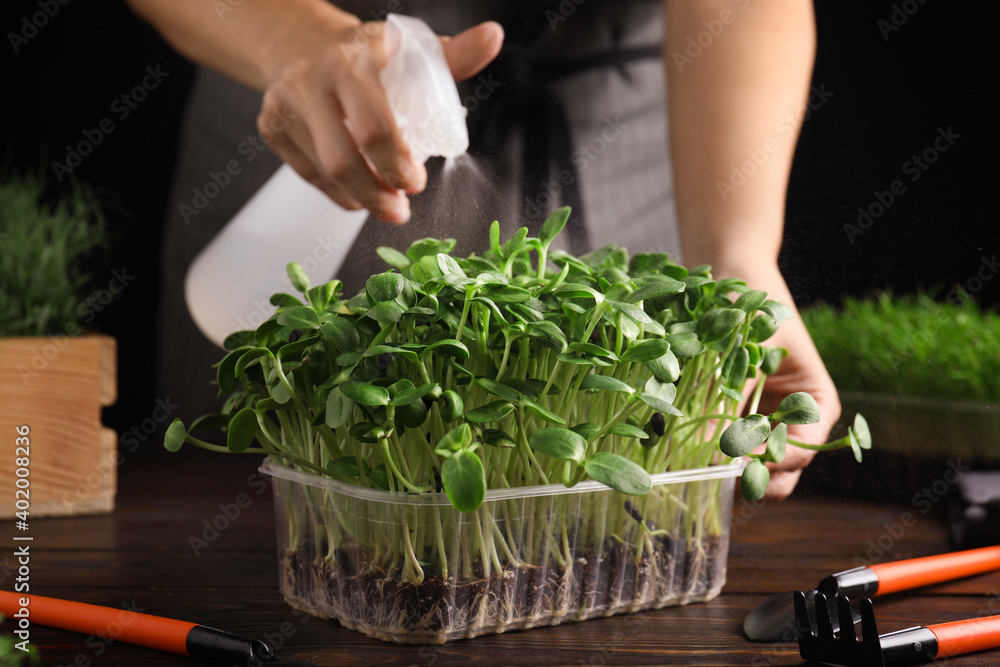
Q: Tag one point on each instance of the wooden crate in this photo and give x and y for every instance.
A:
(56, 386)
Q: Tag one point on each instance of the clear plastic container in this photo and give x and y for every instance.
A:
(409, 568)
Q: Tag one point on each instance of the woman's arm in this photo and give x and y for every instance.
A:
(738, 75)
(318, 68)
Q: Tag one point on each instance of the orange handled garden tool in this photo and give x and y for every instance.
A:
(197, 641)
(774, 619)
(910, 646)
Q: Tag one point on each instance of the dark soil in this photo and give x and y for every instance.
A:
(380, 604)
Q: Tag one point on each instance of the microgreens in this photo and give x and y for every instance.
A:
(42, 254)
(524, 365)
(910, 345)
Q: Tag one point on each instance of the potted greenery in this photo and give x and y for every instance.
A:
(928, 369)
(54, 376)
(506, 440)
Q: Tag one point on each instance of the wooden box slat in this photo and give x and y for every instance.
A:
(57, 386)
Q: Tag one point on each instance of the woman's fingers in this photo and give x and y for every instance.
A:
(342, 135)
(470, 51)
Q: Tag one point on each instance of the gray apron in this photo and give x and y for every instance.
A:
(612, 159)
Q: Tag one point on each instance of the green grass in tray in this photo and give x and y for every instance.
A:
(910, 345)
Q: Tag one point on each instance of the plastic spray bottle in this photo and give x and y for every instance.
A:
(229, 284)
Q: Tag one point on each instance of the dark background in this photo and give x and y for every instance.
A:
(888, 94)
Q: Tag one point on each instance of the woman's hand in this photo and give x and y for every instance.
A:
(801, 370)
(324, 109)
(337, 130)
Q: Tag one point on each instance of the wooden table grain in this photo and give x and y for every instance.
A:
(177, 547)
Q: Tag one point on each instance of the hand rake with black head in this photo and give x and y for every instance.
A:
(910, 646)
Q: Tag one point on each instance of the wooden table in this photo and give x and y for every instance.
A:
(146, 556)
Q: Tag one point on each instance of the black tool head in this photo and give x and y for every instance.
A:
(773, 620)
(824, 644)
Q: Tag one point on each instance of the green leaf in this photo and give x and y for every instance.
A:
(411, 393)
(452, 405)
(514, 243)
(385, 312)
(665, 391)
(855, 445)
(464, 480)
(339, 408)
(384, 286)
(576, 290)
(553, 225)
(495, 238)
(735, 367)
(175, 436)
(660, 287)
(587, 429)
(429, 247)
(449, 266)
(238, 339)
(490, 412)
(541, 412)
(751, 300)
(665, 368)
(277, 389)
(453, 441)
(298, 276)
(776, 443)
(732, 393)
(685, 344)
(495, 437)
(754, 481)
(379, 477)
(630, 310)
(559, 443)
(660, 405)
(591, 349)
(412, 414)
(862, 432)
(393, 257)
(346, 466)
(448, 347)
(299, 317)
(645, 350)
(719, 323)
(619, 473)
(797, 408)
(627, 431)
(363, 393)
(605, 383)
(251, 355)
(762, 327)
(772, 359)
(497, 388)
(506, 293)
(744, 435)
(226, 374)
(379, 350)
(548, 333)
(282, 300)
(242, 430)
(777, 310)
(531, 386)
(321, 295)
(341, 332)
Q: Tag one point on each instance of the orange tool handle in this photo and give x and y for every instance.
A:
(906, 574)
(128, 626)
(975, 634)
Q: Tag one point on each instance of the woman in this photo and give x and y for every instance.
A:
(572, 111)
